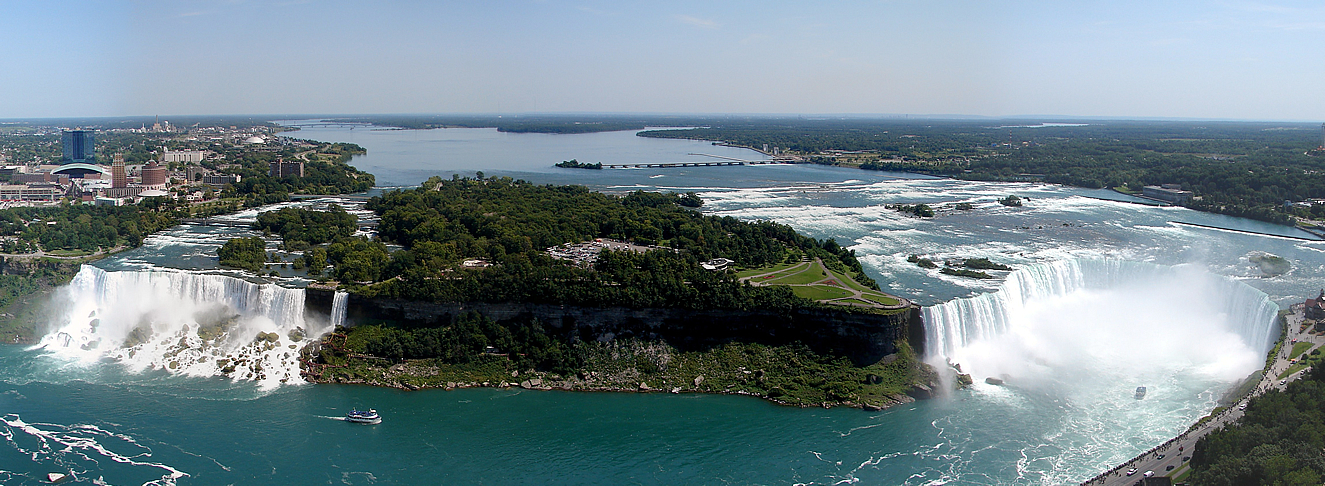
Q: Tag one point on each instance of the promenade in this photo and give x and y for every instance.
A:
(1177, 451)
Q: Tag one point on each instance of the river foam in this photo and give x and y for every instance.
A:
(1106, 314)
(186, 323)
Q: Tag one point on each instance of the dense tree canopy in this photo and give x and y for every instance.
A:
(247, 253)
(79, 227)
(509, 224)
(1279, 441)
(300, 227)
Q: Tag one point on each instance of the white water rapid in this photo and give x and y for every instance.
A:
(1074, 321)
(186, 323)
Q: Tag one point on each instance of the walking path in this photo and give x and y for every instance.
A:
(1178, 450)
(42, 254)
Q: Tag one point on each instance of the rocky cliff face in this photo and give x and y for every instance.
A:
(864, 338)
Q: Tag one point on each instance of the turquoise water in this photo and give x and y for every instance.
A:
(220, 433)
(152, 425)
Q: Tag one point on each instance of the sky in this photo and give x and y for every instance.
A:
(1118, 59)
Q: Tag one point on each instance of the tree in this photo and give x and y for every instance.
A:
(246, 253)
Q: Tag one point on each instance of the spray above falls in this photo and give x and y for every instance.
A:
(185, 323)
(1110, 320)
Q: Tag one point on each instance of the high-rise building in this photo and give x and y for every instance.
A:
(1322, 136)
(281, 168)
(119, 179)
(79, 147)
(154, 176)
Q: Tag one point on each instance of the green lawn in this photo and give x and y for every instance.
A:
(802, 273)
(810, 274)
(821, 292)
(1299, 348)
(1310, 361)
(762, 270)
(868, 292)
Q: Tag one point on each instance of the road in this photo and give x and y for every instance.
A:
(1180, 447)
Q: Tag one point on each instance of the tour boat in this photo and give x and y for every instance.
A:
(362, 417)
(1140, 392)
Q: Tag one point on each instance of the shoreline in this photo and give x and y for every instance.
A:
(1249, 232)
(787, 376)
(1219, 417)
(567, 386)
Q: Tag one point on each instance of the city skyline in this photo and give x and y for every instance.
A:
(1187, 60)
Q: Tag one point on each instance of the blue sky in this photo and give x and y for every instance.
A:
(1226, 60)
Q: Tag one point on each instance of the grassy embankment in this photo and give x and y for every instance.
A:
(816, 281)
(790, 375)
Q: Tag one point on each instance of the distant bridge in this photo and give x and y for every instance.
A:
(350, 125)
(347, 197)
(726, 161)
(230, 223)
(215, 222)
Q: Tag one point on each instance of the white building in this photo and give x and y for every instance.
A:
(185, 156)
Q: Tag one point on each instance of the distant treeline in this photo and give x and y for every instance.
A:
(513, 124)
(1241, 169)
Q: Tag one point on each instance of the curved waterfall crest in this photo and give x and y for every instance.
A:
(1249, 313)
(186, 323)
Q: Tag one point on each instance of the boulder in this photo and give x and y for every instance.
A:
(921, 392)
(526, 385)
(870, 408)
(699, 379)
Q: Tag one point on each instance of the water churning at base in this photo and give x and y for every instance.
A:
(1111, 317)
(186, 323)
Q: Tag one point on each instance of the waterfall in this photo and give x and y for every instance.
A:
(1092, 315)
(338, 304)
(185, 323)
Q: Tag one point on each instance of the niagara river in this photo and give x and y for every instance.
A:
(1106, 295)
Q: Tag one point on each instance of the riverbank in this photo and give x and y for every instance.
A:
(786, 375)
(1171, 458)
(26, 282)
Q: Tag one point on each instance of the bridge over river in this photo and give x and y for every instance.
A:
(726, 161)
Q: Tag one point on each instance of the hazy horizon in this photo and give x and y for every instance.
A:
(1223, 61)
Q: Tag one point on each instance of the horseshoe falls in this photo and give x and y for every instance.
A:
(1072, 339)
(1112, 319)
